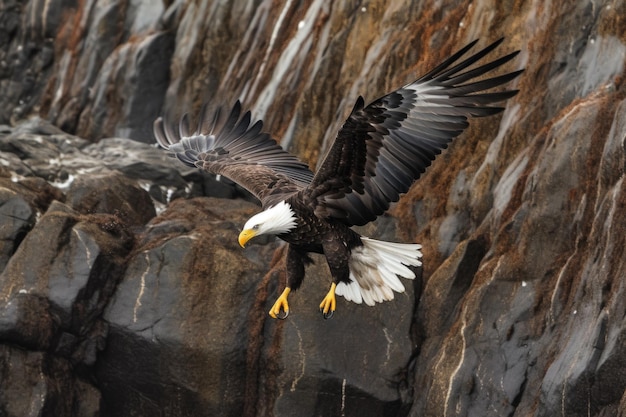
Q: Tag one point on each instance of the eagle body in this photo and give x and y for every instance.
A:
(378, 153)
(324, 236)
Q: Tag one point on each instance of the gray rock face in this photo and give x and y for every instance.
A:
(123, 290)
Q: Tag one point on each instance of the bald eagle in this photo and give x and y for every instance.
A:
(378, 153)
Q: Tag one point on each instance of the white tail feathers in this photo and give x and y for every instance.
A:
(374, 270)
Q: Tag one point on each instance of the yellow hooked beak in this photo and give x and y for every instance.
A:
(245, 236)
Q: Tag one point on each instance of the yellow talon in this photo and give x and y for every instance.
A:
(328, 304)
(281, 303)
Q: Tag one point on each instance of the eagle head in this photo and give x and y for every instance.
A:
(273, 221)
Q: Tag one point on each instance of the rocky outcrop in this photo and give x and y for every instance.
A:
(127, 302)
(123, 290)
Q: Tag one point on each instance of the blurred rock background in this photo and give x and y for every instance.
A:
(123, 291)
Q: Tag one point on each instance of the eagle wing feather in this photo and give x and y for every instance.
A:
(384, 147)
(231, 147)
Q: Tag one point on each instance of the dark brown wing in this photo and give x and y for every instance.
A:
(232, 147)
(383, 148)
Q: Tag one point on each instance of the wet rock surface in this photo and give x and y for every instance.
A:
(123, 290)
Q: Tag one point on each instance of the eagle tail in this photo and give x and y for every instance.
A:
(374, 270)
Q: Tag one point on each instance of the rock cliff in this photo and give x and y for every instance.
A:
(123, 290)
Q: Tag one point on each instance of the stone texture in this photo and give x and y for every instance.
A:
(123, 290)
(18, 219)
(112, 194)
(37, 383)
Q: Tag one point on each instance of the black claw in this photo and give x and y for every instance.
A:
(279, 317)
(328, 315)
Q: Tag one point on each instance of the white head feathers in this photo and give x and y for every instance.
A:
(274, 221)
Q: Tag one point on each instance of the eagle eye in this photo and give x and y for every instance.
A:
(255, 227)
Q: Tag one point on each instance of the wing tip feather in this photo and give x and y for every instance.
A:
(428, 136)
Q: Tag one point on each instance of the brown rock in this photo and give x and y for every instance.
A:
(111, 194)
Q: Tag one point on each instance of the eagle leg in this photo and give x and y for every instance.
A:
(281, 303)
(328, 304)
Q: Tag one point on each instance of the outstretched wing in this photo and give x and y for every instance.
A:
(232, 147)
(384, 147)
